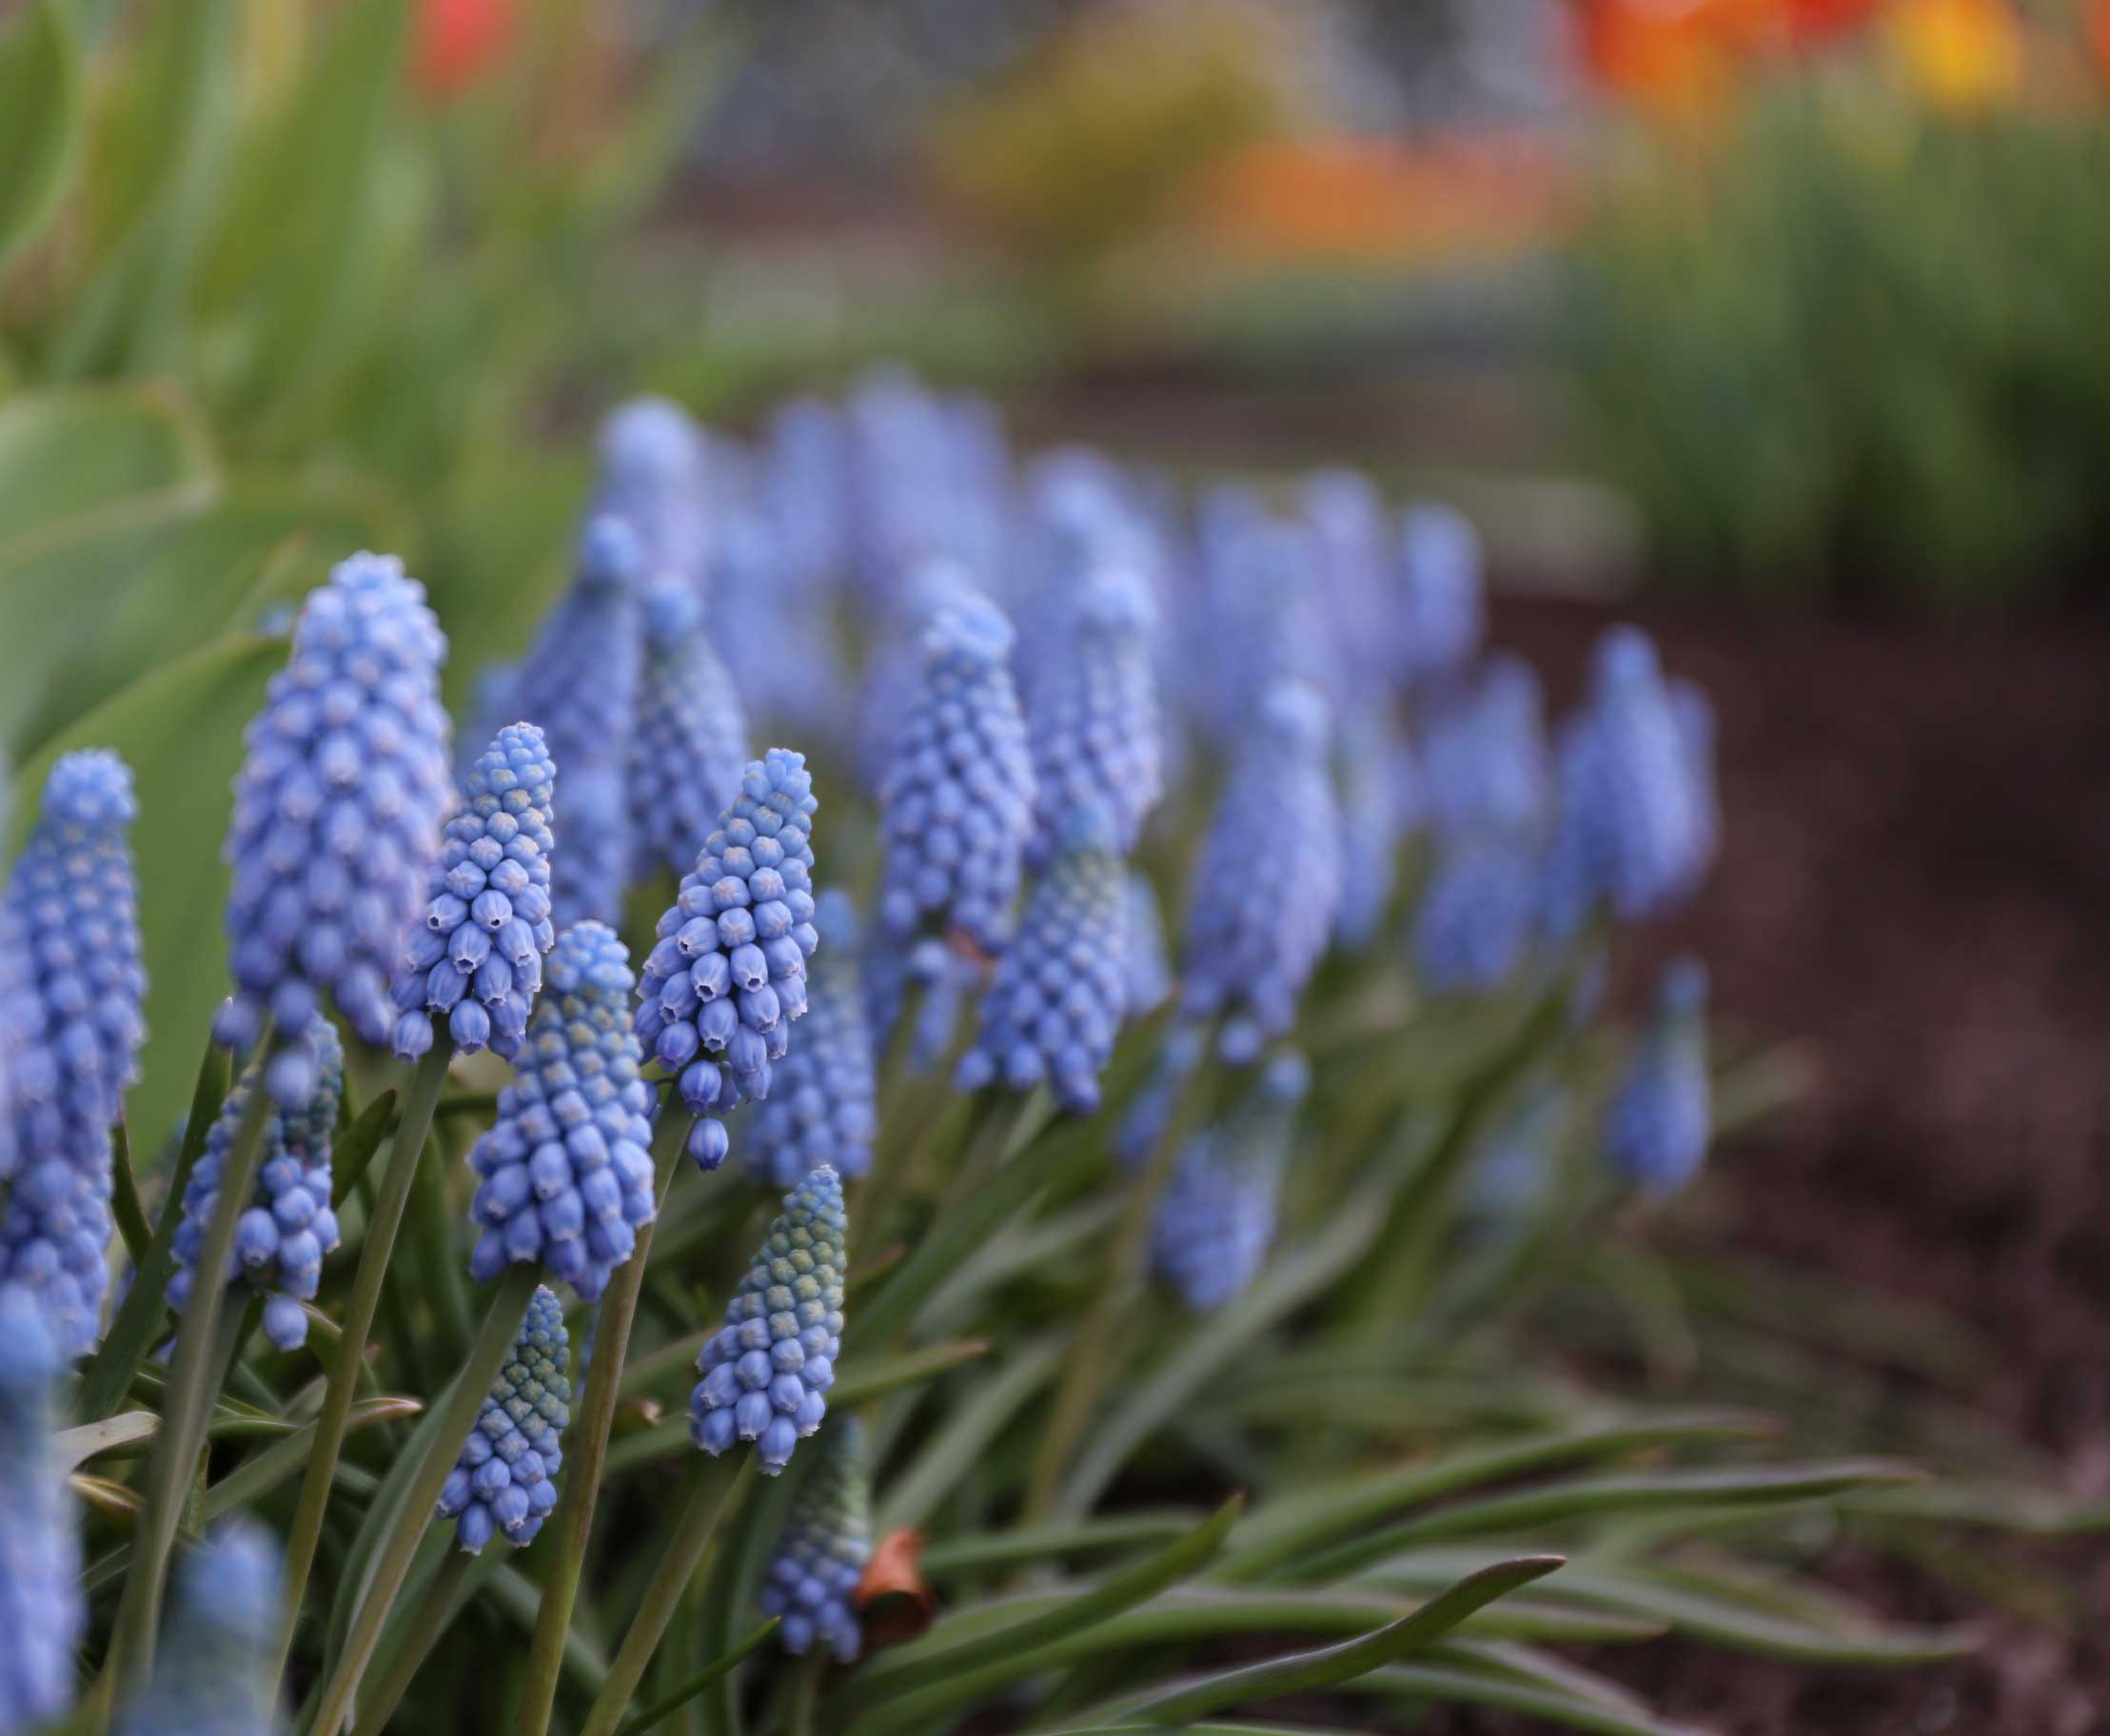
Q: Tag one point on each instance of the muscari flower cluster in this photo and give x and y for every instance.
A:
(566, 1170)
(475, 960)
(1371, 828)
(73, 904)
(281, 1239)
(767, 1370)
(1442, 606)
(1057, 1004)
(811, 1580)
(1656, 1127)
(688, 746)
(42, 1612)
(1269, 882)
(654, 464)
(957, 801)
(728, 976)
(821, 1107)
(337, 814)
(1483, 762)
(1475, 921)
(504, 1481)
(213, 1673)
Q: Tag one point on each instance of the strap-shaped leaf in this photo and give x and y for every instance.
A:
(40, 118)
(1453, 1683)
(965, 1435)
(75, 1447)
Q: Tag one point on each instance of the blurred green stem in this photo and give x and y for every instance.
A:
(381, 1228)
(589, 1444)
(433, 1616)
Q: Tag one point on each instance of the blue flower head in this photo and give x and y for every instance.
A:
(475, 960)
(1352, 548)
(566, 1172)
(957, 801)
(504, 1482)
(281, 1239)
(811, 1581)
(1269, 882)
(720, 989)
(777, 618)
(580, 684)
(655, 477)
(805, 488)
(893, 677)
(1150, 967)
(1656, 1128)
(42, 1612)
(1484, 760)
(1370, 830)
(688, 748)
(214, 1673)
(767, 1370)
(1057, 1004)
(337, 814)
(1442, 606)
(1476, 922)
(1266, 622)
(821, 1107)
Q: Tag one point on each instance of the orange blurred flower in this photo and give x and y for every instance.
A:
(1678, 57)
(1813, 22)
(1964, 57)
(458, 41)
(2099, 38)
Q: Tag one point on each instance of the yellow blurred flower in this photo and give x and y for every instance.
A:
(1964, 57)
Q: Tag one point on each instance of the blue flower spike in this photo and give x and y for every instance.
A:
(1656, 1128)
(476, 958)
(214, 1671)
(767, 1372)
(42, 1612)
(337, 814)
(688, 748)
(1475, 926)
(1442, 605)
(719, 992)
(504, 1482)
(565, 1176)
(655, 477)
(821, 1107)
(811, 1580)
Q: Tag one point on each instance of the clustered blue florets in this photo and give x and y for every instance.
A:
(821, 1107)
(811, 1582)
(280, 1240)
(213, 1671)
(73, 903)
(566, 1169)
(504, 1482)
(1442, 605)
(337, 814)
(654, 476)
(42, 1612)
(957, 801)
(768, 1369)
(1371, 829)
(1269, 882)
(1475, 921)
(476, 960)
(688, 746)
(1060, 992)
(1656, 1128)
(720, 989)
(1484, 760)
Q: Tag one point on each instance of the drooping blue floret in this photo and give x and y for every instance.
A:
(580, 684)
(811, 1581)
(213, 1670)
(957, 801)
(655, 477)
(1656, 1127)
(689, 747)
(1214, 1224)
(504, 1482)
(1371, 831)
(42, 1612)
(476, 958)
(566, 1171)
(728, 976)
(1061, 991)
(1442, 607)
(337, 814)
(73, 904)
(281, 1239)
(767, 1370)
(1484, 760)
(1476, 920)
(1268, 886)
(1150, 967)
(821, 1107)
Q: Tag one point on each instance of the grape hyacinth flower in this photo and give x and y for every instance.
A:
(957, 801)
(1269, 622)
(767, 1370)
(1476, 922)
(811, 1580)
(281, 1239)
(1442, 605)
(337, 814)
(17, 1010)
(73, 904)
(42, 1612)
(821, 1107)
(1268, 887)
(566, 1171)
(504, 1482)
(1656, 1128)
(893, 669)
(720, 991)
(1150, 967)
(1370, 832)
(655, 477)
(476, 959)
(688, 747)
(1483, 758)
(1217, 1220)
(214, 1670)
(1353, 559)
(580, 684)
(1056, 1006)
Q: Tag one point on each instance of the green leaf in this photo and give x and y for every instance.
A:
(1452, 1683)
(125, 1206)
(721, 1666)
(40, 119)
(352, 1151)
(75, 1447)
(1052, 1542)
(965, 1435)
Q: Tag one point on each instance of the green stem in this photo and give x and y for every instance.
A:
(445, 1277)
(435, 1613)
(191, 1393)
(455, 1416)
(589, 1452)
(801, 1718)
(381, 1227)
(711, 1495)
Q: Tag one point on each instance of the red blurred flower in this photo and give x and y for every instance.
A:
(1812, 22)
(458, 40)
(2099, 38)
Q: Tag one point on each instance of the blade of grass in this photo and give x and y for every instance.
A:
(965, 1435)
(723, 1664)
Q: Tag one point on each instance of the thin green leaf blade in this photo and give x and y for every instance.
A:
(40, 119)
